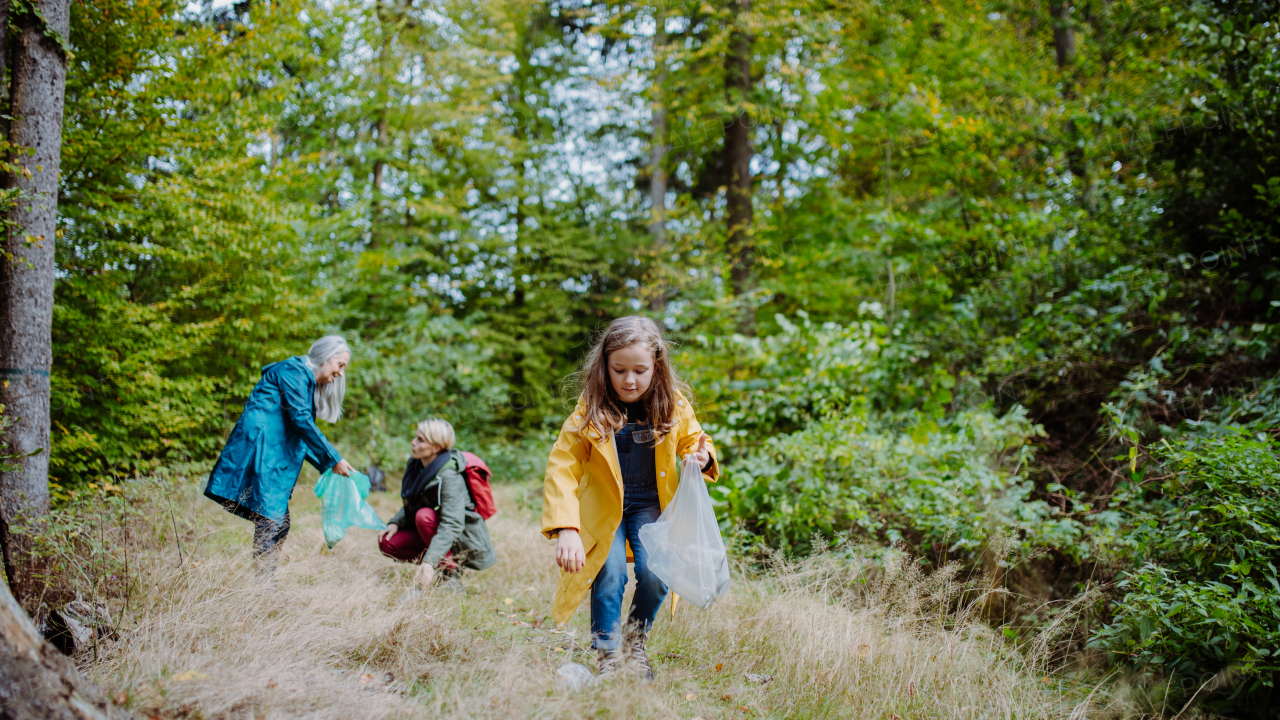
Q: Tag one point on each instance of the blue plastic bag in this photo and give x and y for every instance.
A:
(343, 505)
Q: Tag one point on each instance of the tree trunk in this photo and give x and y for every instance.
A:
(4, 46)
(657, 163)
(1064, 38)
(1064, 48)
(380, 126)
(739, 242)
(523, 82)
(26, 278)
(36, 681)
(379, 167)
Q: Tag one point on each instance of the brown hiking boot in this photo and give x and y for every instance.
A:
(609, 661)
(638, 658)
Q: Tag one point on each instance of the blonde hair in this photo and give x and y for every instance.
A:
(438, 432)
(604, 410)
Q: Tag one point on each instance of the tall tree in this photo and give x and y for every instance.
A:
(386, 30)
(658, 148)
(4, 36)
(1064, 36)
(1064, 50)
(739, 242)
(27, 271)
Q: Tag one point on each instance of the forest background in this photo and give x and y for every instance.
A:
(955, 274)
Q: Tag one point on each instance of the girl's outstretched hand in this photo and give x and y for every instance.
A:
(702, 454)
(570, 555)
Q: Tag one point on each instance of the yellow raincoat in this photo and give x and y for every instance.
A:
(583, 490)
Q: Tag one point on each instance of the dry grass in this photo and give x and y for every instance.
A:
(342, 636)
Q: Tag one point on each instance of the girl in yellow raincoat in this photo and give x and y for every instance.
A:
(613, 469)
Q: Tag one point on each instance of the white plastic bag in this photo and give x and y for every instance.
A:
(684, 545)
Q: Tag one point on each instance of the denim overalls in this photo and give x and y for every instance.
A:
(635, 443)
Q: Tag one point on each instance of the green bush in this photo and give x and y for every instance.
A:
(1203, 602)
(421, 364)
(749, 389)
(945, 488)
(846, 431)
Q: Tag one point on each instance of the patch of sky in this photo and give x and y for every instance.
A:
(576, 285)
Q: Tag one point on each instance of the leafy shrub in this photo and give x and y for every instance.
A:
(749, 389)
(947, 489)
(845, 431)
(424, 364)
(520, 462)
(1204, 596)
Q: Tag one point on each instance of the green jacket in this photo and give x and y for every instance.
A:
(461, 528)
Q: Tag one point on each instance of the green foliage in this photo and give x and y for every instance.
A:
(426, 148)
(1203, 596)
(947, 492)
(522, 462)
(986, 283)
(179, 278)
(834, 431)
(809, 371)
(749, 389)
(429, 367)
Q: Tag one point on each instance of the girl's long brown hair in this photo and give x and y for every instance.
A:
(604, 410)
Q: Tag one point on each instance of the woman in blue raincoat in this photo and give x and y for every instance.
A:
(259, 465)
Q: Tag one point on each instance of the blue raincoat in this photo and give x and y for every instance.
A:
(260, 463)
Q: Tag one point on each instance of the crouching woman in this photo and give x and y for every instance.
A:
(438, 525)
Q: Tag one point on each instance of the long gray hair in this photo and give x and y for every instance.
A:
(328, 398)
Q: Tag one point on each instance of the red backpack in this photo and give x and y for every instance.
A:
(478, 475)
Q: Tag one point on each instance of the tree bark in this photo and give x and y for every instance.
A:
(4, 89)
(1064, 49)
(657, 162)
(39, 683)
(379, 166)
(1064, 38)
(523, 82)
(380, 143)
(4, 36)
(739, 241)
(26, 278)
(380, 126)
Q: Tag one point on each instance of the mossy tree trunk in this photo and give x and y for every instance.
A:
(26, 275)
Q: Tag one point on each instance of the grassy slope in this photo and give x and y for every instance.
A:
(341, 636)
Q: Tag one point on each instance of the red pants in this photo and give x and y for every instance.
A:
(408, 545)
